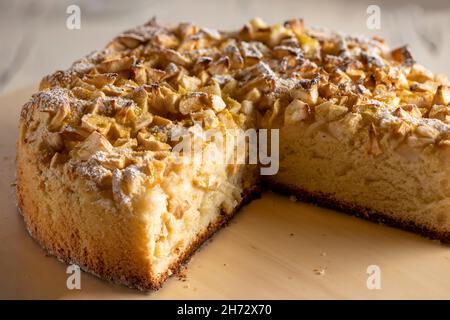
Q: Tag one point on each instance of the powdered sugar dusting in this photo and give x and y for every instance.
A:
(51, 100)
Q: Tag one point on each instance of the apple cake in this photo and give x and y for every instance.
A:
(102, 182)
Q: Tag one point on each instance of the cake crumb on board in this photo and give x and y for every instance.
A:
(182, 274)
(319, 271)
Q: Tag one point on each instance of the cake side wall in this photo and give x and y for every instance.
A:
(77, 225)
(411, 187)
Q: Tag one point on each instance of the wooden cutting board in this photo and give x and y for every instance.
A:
(273, 249)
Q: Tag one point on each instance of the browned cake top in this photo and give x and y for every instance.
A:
(154, 77)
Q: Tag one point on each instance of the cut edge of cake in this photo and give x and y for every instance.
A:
(328, 201)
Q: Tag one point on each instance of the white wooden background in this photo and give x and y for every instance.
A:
(35, 41)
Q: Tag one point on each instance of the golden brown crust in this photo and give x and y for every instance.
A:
(328, 201)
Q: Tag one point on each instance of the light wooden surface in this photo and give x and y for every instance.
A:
(272, 249)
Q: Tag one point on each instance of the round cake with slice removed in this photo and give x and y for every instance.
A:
(101, 181)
